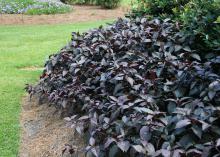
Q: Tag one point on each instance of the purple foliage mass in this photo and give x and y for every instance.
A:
(138, 89)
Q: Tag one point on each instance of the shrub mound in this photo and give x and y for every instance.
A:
(138, 89)
(33, 7)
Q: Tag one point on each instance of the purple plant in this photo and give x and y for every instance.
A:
(137, 89)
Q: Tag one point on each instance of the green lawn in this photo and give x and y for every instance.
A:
(24, 46)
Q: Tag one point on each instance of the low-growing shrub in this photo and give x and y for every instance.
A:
(138, 89)
(33, 7)
(200, 20)
(158, 7)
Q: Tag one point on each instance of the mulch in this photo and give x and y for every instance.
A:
(44, 133)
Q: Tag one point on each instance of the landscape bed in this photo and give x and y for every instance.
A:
(137, 88)
(156, 94)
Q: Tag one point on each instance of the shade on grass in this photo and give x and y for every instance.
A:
(24, 46)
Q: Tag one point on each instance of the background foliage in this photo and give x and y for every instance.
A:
(33, 7)
(109, 4)
(197, 17)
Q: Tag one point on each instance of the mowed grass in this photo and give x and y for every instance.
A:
(25, 46)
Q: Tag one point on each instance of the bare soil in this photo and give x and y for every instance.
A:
(79, 14)
(44, 133)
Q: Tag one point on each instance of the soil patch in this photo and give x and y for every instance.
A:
(44, 133)
(79, 14)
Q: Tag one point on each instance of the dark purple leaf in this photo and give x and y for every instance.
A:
(145, 133)
(124, 145)
(139, 149)
(182, 123)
